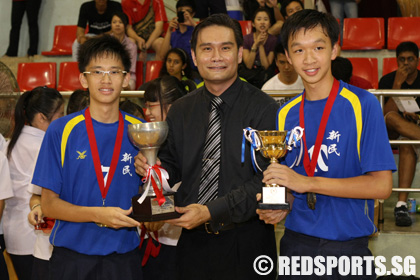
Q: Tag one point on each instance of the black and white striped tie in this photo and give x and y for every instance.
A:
(211, 158)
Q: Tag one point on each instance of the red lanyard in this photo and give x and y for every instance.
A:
(95, 154)
(310, 165)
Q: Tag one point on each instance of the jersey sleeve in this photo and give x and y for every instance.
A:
(159, 9)
(48, 170)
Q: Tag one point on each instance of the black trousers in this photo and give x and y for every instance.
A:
(23, 265)
(66, 264)
(40, 269)
(204, 8)
(31, 7)
(4, 274)
(163, 266)
(227, 255)
(296, 244)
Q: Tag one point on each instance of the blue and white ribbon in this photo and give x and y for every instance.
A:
(252, 136)
(294, 140)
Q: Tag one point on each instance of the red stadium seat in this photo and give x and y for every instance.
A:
(34, 74)
(64, 36)
(152, 69)
(139, 74)
(68, 79)
(246, 26)
(389, 64)
(366, 68)
(363, 34)
(402, 29)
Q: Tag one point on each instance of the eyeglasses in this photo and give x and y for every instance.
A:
(409, 59)
(101, 74)
(149, 106)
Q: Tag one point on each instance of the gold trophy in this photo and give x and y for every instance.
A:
(273, 146)
(155, 200)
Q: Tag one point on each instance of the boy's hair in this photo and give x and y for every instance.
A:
(218, 20)
(342, 69)
(102, 46)
(279, 50)
(285, 4)
(408, 46)
(185, 3)
(309, 19)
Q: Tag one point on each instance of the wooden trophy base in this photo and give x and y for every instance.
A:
(150, 211)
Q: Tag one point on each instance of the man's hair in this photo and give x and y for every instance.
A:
(309, 19)
(185, 3)
(408, 46)
(218, 20)
(285, 4)
(342, 69)
(279, 50)
(102, 46)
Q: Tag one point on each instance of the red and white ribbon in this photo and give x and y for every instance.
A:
(154, 173)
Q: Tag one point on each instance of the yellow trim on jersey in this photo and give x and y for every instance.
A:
(357, 108)
(66, 133)
(132, 120)
(284, 111)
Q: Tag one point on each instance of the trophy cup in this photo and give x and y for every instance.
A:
(155, 200)
(272, 144)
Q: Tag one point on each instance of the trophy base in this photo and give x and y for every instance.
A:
(150, 211)
(274, 206)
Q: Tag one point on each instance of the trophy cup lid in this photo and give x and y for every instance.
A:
(146, 135)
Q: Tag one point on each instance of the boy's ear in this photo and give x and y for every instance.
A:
(83, 80)
(335, 51)
(287, 56)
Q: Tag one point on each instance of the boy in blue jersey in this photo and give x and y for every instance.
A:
(344, 131)
(86, 169)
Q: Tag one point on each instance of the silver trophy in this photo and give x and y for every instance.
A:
(148, 137)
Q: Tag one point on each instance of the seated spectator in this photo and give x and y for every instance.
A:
(132, 108)
(176, 63)
(96, 15)
(258, 50)
(210, 7)
(78, 101)
(403, 125)
(342, 69)
(286, 79)
(119, 24)
(289, 7)
(146, 18)
(180, 29)
(276, 18)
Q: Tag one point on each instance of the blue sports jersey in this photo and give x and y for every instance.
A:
(65, 166)
(355, 142)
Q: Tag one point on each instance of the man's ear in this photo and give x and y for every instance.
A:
(193, 57)
(240, 53)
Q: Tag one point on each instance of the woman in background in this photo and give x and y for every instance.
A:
(34, 112)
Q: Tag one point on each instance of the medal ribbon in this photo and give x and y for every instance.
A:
(151, 248)
(95, 154)
(310, 165)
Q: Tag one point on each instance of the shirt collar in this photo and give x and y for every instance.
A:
(230, 95)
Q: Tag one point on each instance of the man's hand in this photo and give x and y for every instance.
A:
(271, 3)
(140, 163)
(284, 176)
(115, 217)
(189, 21)
(271, 216)
(153, 226)
(400, 76)
(35, 216)
(411, 117)
(173, 24)
(193, 216)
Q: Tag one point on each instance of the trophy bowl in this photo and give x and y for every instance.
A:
(273, 146)
(148, 137)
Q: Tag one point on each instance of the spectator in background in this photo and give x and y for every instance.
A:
(341, 9)
(146, 18)
(119, 24)
(402, 124)
(342, 69)
(209, 7)
(95, 15)
(180, 29)
(289, 7)
(258, 53)
(132, 108)
(286, 79)
(19, 7)
(78, 100)
(6, 192)
(276, 18)
(34, 112)
(176, 63)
